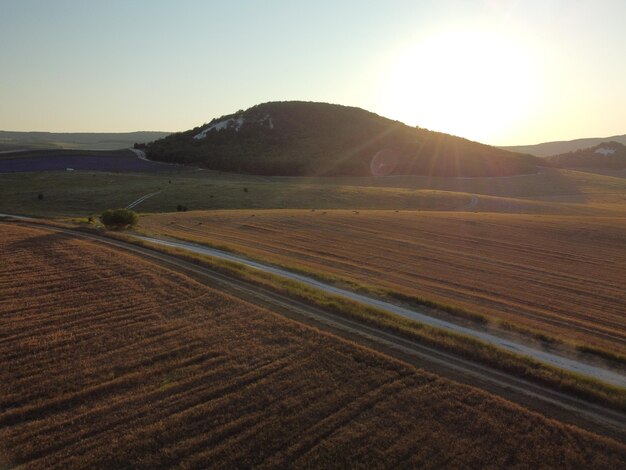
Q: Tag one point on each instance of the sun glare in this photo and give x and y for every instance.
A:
(477, 85)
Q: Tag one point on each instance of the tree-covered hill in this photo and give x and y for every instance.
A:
(604, 155)
(313, 139)
(547, 149)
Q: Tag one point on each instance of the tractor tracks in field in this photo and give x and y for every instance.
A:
(141, 199)
(533, 396)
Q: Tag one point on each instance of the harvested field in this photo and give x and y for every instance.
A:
(112, 361)
(562, 275)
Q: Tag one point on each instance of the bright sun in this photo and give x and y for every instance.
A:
(473, 84)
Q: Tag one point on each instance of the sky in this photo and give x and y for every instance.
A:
(502, 72)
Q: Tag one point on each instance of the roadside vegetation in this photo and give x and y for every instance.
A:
(118, 219)
(176, 373)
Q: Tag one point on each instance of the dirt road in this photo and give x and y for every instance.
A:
(571, 365)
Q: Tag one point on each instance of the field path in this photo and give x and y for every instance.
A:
(142, 198)
(561, 362)
(142, 156)
(140, 153)
(17, 217)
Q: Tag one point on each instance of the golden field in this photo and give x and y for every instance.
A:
(563, 275)
(110, 361)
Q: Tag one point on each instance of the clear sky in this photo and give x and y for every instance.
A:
(498, 71)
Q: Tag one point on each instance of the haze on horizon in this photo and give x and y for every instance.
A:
(503, 72)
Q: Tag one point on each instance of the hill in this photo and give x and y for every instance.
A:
(76, 140)
(319, 139)
(558, 147)
(604, 155)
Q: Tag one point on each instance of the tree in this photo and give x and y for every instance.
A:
(119, 218)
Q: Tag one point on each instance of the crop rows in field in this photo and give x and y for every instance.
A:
(111, 361)
(562, 275)
(60, 160)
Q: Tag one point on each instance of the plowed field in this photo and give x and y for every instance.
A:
(110, 361)
(561, 274)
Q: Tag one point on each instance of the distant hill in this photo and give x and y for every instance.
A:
(76, 140)
(603, 155)
(556, 148)
(310, 139)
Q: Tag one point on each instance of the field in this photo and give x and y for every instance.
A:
(80, 141)
(564, 275)
(80, 193)
(85, 160)
(77, 193)
(114, 361)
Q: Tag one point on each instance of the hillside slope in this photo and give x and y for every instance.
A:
(558, 147)
(10, 140)
(603, 155)
(319, 139)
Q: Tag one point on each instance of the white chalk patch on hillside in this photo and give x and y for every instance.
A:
(220, 126)
(605, 151)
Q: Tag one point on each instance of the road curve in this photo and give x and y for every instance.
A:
(15, 217)
(537, 397)
(140, 154)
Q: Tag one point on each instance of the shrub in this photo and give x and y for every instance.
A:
(118, 218)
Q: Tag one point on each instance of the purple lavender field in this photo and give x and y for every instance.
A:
(61, 160)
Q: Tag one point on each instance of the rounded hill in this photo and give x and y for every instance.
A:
(318, 139)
